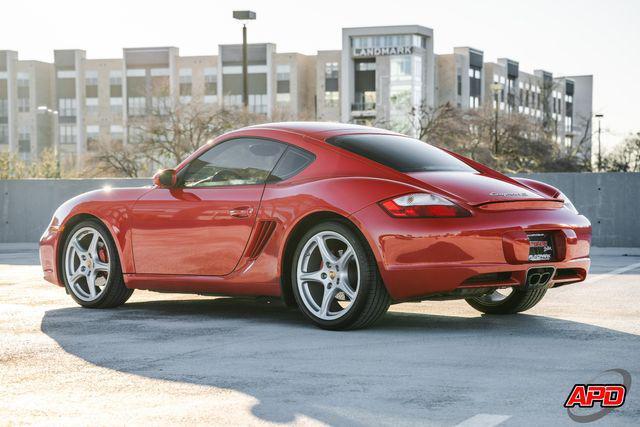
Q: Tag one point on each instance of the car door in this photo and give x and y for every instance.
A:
(202, 225)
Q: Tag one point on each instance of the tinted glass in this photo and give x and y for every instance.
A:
(292, 162)
(401, 153)
(236, 162)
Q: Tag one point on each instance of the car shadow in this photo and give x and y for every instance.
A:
(408, 367)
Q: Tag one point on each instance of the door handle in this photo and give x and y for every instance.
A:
(241, 212)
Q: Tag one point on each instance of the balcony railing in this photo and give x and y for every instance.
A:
(363, 106)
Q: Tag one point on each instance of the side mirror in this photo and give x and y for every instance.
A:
(166, 178)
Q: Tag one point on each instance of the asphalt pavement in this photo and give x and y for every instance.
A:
(185, 359)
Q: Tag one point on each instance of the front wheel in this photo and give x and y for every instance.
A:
(335, 279)
(91, 267)
(507, 301)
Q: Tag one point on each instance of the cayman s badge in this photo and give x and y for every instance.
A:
(493, 193)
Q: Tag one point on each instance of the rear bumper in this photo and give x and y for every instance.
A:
(421, 257)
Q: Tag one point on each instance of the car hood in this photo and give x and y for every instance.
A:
(476, 188)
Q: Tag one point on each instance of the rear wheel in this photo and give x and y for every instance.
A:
(507, 301)
(91, 267)
(335, 279)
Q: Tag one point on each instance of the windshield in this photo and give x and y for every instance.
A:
(401, 153)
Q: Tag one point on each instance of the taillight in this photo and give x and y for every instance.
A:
(422, 205)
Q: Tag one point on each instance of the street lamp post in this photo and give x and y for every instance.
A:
(496, 88)
(599, 117)
(244, 15)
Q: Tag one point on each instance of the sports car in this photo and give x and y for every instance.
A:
(338, 220)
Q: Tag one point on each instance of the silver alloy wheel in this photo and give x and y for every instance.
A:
(496, 297)
(87, 264)
(328, 274)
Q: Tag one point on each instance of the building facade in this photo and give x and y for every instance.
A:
(378, 77)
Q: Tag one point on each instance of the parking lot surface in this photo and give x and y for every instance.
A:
(185, 359)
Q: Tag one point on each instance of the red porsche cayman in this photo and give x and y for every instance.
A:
(338, 220)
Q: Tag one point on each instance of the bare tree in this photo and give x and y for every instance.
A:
(625, 157)
(124, 160)
(167, 135)
(524, 143)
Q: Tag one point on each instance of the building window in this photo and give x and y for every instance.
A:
(158, 72)
(23, 105)
(366, 66)
(115, 83)
(185, 76)
(161, 104)
(210, 85)
(400, 68)
(137, 106)
(93, 133)
(475, 86)
(115, 105)
(185, 83)
(91, 84)
(459, 85)
(91, 78)
(67, 107)
(136, 72)
(283, 72)
(283, 98)
(568, 124)
(365, 86)
(258, 103)
(115, 77)
(92, 105)
(68, 134)
(331, 95)
(398, 40)
(66, 74)
(474, 73)
(4, 134)
(24, 140)
(116, 133)
(331, 70)
(23, 92)
(232, 100)
(4, 107)
(332, 98)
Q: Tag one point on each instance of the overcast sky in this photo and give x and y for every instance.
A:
(565, 37)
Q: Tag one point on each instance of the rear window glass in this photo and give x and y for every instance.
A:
(400, 153)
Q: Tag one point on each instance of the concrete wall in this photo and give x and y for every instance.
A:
(27, 205)
(610, 200)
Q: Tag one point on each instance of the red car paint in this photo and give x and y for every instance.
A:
(188, 240)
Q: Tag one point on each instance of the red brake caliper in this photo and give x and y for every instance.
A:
(102, 255)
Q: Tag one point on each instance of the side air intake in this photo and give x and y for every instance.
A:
(264, 230)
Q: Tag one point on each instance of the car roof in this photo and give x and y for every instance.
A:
(320, 130)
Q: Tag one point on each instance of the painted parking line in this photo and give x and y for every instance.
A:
(599, 278)
(484, 420)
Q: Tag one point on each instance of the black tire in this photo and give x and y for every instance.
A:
(372, 299)
(115, 292)
(519, 300)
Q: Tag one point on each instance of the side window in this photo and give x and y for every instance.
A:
(291, 163)
(242, 161)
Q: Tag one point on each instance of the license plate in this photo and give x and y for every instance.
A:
(540, 247)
